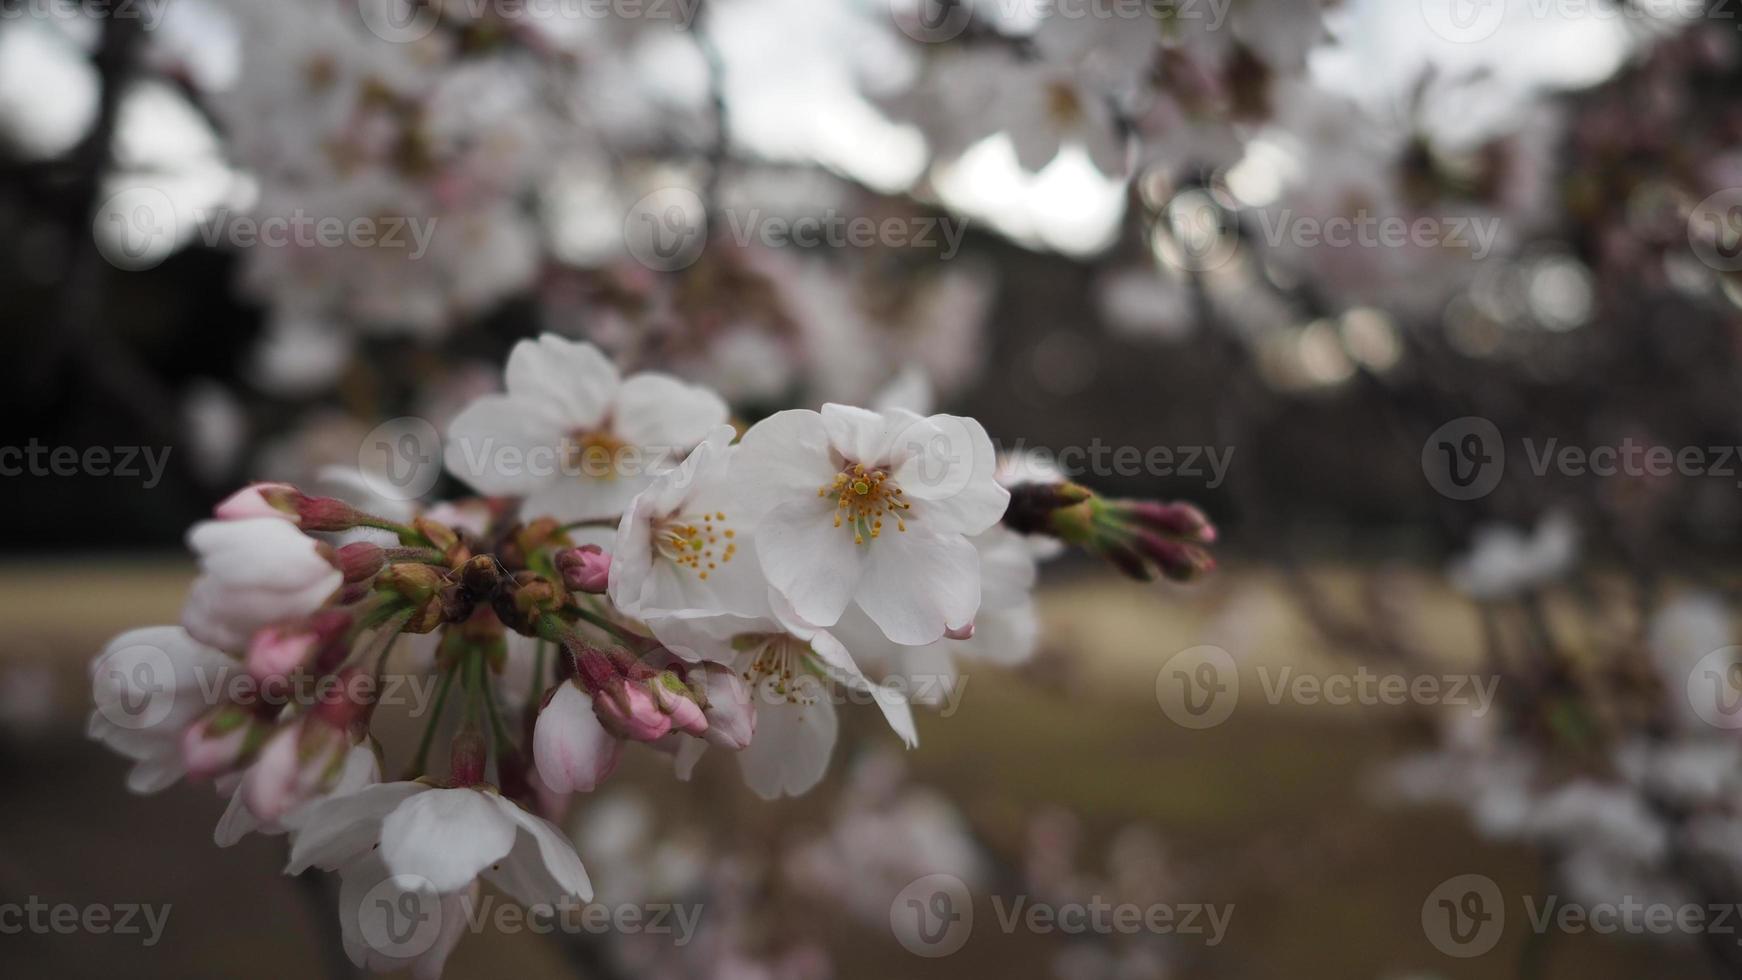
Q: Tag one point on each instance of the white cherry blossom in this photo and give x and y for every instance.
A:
(572, 436)
(873, 509)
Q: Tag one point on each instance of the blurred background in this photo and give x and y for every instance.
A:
(1434, 306)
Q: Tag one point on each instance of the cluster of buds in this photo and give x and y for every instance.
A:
(1138, 537)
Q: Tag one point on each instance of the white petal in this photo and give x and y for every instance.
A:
(542, 868)
(948, 473)
(568, 379)
(577, 497)
(501, 446)
(657, 411)
(858, 434)
(841, 666)
(783, 455)
(447, 836)
(918, 585)
(235, 824)
(792, 746)
(808, 560)
(338, 829)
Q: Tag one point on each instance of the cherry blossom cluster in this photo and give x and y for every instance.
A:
(666, 580)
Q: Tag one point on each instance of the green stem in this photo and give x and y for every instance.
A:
(504, 743)
(537, 673)
(421, 760)
(635, 640)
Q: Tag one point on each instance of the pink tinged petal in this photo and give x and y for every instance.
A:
(503, 446)
(918, 585)
(448, 836)
(275, 652)
(270, 787)
(564, 379)
(542, 867)
(793, 742)
(785, 455)
(659, 412)
(948, 472)
(573, 751)
(1008, 636)
(812, 563)
(250, 501)
(339, 829)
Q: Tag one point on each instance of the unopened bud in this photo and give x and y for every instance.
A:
(467, 755)
(1178, 560)
(585, 569)
(415, 581)
(360, 560)
(220, 742)
(260, 500)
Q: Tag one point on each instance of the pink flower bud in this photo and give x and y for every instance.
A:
(960, 632)
(467, 755)
(676, 700)
(299, 761)
(276, 652)
(217, 743)
(259, 500)
(585, 569)
(360, 560)
(628, 709)
(570, 747)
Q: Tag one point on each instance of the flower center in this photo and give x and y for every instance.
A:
(594, 453)
(699, 543)
(862, 498)
(1062, 105)
(780, 660)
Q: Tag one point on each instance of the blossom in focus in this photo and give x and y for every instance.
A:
(854, 507)
(572, 436)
